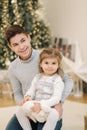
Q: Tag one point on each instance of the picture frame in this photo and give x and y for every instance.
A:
(67, 49)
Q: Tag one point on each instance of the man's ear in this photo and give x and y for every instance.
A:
(10, 47)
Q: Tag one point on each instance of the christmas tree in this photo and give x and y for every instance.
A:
(25, 13)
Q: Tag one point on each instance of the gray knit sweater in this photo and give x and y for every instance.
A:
(22, 72)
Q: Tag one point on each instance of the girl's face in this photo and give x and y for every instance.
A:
(20, 44)
(49, 66)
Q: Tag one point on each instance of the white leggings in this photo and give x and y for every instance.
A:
(50, 124)
(51, 120)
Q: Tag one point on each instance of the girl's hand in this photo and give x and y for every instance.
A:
(27, 98)
(36, 108)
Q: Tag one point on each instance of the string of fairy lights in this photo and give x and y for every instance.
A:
(17, 14)
(5, 16)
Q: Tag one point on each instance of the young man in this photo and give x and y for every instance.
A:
(23, 69)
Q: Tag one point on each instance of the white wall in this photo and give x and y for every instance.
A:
(68, 19)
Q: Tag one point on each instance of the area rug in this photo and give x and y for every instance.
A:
(73, 115)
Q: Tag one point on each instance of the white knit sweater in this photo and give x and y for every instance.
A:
(46, 89)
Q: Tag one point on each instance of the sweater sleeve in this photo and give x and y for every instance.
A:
(16, 85)
(56, 97)
(68, 83)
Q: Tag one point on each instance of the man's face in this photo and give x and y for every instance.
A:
(20, 44)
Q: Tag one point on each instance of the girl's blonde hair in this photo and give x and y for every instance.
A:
(51, 53)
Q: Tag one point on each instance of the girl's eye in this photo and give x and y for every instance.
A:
(53, 63)
(46, 62)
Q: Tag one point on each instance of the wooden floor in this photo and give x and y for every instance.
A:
(81, 99)
(6, 100)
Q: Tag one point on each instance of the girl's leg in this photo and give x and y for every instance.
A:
(23, 119)
(51, 120)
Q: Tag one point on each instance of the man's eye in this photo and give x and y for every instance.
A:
(23, 40)
(14, 45)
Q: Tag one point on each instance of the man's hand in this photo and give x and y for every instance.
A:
(58, 107)
(27, 98)
(36, 108)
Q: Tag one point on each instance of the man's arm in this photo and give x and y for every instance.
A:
(68, 85)
(17, 89)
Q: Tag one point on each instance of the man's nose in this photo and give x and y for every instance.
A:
(21, 46)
